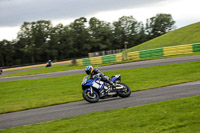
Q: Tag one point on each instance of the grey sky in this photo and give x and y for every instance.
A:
(15, 12)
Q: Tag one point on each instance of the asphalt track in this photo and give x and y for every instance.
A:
(80, 108)
(138, 64)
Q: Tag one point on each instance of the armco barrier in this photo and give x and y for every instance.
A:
(158, 52)
(134, 55)
(196, 47)
(184, 49)
(169, 51)
(145, 54)
(176, 50)
(151, 53)
(108, 58)
(119, 57)
(86, 61)
(96, 60)
(79, 62)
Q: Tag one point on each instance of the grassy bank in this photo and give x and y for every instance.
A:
(20, 95)
(185, 35)
(175, 116)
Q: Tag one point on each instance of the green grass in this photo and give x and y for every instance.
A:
(185, 35)
(174, 116)
(27, 94)
(70, 67)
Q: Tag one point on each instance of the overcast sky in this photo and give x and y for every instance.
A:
(14, 12)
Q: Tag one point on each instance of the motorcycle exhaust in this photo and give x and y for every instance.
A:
(112, 93)
(119, 87)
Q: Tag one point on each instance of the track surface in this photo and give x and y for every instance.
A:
(79, 108)
(138, 64)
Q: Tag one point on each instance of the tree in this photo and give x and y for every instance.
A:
(159, 25)
(141, 36)
(100, 35)
(53, 42)
(6, 53)
(80, 37)
(2, 53)
(66, 47)
(125, 30)
(32, 36)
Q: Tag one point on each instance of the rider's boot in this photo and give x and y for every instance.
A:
(112, 84)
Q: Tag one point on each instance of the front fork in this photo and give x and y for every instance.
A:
(91, 90)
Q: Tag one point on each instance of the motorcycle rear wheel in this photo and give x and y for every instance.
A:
(125, 92)
(91, 98)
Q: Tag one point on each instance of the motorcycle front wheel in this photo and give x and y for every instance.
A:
(90, 97)
(125, 92)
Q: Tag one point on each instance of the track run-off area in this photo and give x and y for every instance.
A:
(38, 115)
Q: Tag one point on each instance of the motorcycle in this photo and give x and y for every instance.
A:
(48, 65)
(95, 89)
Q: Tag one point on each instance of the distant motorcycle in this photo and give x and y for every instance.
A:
(93, 90)
(48, 65)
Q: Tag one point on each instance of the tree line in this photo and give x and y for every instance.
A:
(40, 41)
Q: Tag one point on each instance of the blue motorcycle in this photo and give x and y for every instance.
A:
(95, 89)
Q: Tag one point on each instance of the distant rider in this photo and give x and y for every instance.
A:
(93, 73)
(49, 63)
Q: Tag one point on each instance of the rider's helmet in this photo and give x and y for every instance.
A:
(89, 69)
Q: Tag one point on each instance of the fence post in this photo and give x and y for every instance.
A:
(124, 56)
(74, 62)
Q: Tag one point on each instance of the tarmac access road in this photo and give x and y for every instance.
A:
(80, 108)
(130, 65)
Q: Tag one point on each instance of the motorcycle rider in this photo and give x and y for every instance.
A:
(93, 73)
(49, 63)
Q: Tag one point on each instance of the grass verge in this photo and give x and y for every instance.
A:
(27, 94)
(185, 35)
(70, 67)
(174, 116)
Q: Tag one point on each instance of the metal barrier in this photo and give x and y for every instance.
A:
(151, 53)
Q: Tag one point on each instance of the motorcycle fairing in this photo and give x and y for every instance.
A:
(116, 77)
